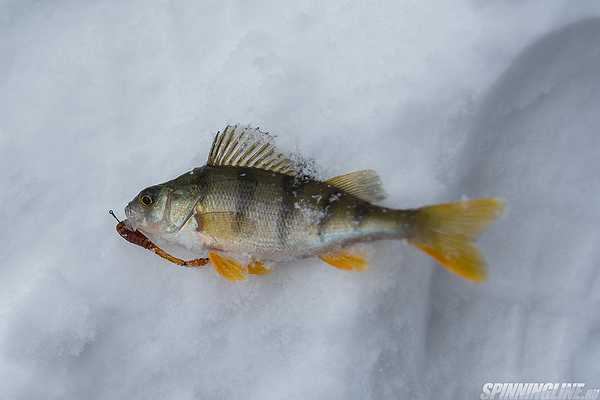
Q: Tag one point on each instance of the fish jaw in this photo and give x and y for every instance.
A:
(132, 218)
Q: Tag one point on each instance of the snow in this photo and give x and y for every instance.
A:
(101, 99)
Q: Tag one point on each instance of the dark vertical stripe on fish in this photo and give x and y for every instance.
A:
(331, 204)
(323, 222)
(207, 185)
(246, 191)
(360, 212)
(288, 186)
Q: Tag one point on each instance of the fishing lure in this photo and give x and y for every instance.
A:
(138, 238)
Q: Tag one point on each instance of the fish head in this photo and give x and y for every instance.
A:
(146, 212)
(161, 208)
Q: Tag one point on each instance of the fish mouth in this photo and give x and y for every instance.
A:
(130, 221)
(130, 225)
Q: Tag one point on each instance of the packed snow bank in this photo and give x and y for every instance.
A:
(99, 100)
(535, 142)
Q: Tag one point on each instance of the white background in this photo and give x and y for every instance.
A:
(445, 99)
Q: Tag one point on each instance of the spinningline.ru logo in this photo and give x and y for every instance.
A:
(541, 391)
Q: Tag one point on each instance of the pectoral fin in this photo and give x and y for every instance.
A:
(225, 225)
(228, 268)
(258, 268)
(345, 259)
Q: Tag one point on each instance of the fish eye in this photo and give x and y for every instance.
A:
(146, 200)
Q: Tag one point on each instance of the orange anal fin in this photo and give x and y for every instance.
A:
(258, 268)
(344, 259)
(228, 268)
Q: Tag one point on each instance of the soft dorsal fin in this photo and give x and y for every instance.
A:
(249, 147)
(364, 184)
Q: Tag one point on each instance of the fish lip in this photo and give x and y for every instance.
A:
(129, 222)
(130, 225)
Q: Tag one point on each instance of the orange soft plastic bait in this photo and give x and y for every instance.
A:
(138, 238)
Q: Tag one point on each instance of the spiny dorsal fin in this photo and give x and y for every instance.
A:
(364, 184)
(249, 147)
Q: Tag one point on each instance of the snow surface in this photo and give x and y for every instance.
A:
(445, 99)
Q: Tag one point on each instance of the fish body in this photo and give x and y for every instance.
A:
(250, 199)
(275, 217)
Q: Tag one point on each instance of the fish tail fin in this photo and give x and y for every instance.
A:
(447, 231)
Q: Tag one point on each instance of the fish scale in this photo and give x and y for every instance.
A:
(294, 219)
(228, 188)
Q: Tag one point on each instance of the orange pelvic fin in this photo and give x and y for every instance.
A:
(228, 268)
(258, 268)
(345, 259)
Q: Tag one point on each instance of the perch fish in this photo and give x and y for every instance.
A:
(251, 200)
